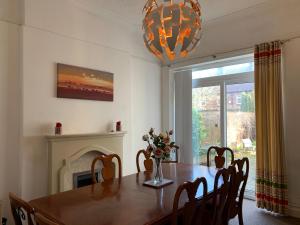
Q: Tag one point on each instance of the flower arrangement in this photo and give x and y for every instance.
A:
(160, 145)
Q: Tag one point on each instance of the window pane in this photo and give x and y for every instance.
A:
(241, 132)
(226, 70)
(206, 121)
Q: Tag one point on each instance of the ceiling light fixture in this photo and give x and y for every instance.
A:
(172, 30)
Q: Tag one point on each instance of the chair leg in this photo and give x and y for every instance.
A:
(240, 215)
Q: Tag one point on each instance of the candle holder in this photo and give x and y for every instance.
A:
(118, 126)
(58, 129)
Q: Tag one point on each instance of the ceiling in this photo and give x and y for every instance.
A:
(131, 10)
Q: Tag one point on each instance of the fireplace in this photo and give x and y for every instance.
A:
(71, 155)
(84, 178)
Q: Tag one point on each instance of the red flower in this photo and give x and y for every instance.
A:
(158, 152)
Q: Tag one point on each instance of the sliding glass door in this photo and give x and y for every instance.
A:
(240, 124)
(206, 120)
(224, 114)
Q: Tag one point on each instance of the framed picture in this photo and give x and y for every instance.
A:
(82, 83)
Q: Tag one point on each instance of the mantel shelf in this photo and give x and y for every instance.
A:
(88, 135)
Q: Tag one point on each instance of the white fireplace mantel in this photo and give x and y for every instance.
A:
(78, 136)
(64, 149)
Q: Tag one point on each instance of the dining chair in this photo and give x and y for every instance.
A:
(234, 204)
(22, 212)
(219, 158)
(216, 206)
(108, 170)
(42, 220)
(148, 162)
(192, 209)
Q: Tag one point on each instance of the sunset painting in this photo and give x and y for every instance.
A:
(81, 83)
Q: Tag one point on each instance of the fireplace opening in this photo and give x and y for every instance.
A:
(84, 178)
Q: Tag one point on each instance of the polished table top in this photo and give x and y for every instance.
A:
(122, 202)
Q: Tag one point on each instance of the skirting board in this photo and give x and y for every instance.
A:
(294, 211)
(1, 211)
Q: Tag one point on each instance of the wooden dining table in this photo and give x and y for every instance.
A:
(124, 201)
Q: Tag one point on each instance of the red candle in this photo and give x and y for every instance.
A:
(118, 126)
(58, 128)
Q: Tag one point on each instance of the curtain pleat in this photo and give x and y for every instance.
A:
(271, 185)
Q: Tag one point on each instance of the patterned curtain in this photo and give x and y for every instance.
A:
(271, 186)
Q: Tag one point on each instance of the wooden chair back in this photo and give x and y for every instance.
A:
(148, 162)
(220, 194)
(108, 170)
(21, 210)
(42, 220)
(189, 215)
(219, 158)
(237, 189)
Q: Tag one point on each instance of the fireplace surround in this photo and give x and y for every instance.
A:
(71, 154)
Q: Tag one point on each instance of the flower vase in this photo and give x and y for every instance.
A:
(158, 174)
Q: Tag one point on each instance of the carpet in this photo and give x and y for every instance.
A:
(255, 216)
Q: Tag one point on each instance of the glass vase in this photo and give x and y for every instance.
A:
(158, 174)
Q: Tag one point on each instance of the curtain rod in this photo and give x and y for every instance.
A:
(290, 39)
(214, 56)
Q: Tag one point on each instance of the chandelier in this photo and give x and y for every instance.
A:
(171, 30)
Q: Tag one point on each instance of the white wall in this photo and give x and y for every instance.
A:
(274, 20)
(183, 115)
(292, 121)
(11, 11)
(9, 111)
(65, 18)
(232, 35)
(58, 31)
(34, 36)
(146, 102)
